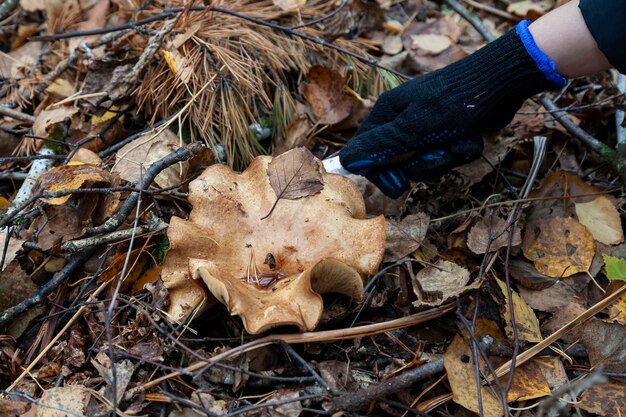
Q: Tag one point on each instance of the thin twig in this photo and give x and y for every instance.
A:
(361, 399)
(311, 337)
(17, 115)
(74, 246)
(561, 117)
(294, 355)
(490, 9)
(472, 19)
(74, 264)
(22, 199)
(321, 19)
(179, 155)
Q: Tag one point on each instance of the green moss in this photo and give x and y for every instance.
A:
(161, 250)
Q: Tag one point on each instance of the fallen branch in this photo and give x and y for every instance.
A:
(179, 155)
(472, 20)
(361, 399)
(78, 245)
(21, 199)
(46, 289)
(561, 117)
(17, 115)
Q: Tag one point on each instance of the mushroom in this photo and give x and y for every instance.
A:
(270, 269)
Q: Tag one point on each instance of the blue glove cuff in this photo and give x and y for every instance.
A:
(544, 63)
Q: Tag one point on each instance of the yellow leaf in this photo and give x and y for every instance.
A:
(109, 115)
(617, 311)
(178, 64)
(61, 88)
(70, 177)
(461, 376)
(526, 321)
(559, 247)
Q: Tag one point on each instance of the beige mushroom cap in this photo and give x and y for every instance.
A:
(225, 228)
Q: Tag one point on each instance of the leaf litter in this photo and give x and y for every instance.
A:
(107, 129)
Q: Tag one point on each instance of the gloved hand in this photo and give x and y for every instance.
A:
(425, 127)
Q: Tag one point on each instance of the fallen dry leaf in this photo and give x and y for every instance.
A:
(124, 370)
(602, 220)
(204, 400)
(430, 43)
(137, 156)
(526, 321)
(617, 312)
(433, 45)
(61, 223)
(553, 298)
(17, 63)
(528, 277)
(61, 88)
(337, 375)
(9, 250)
(289, 408)
(529, 382)
(495, 150)
(294, 174)
(296, 135)
(15, 286)
(605, 399)
(491, 233)
(405, 236)
(605, 344)
(530, 8)
(392, 45)
(12, 408)
(71, 177)
(557, 195)
(461, 376)
(96, 19)
(437, 284)
(48, 118)
(178, 64)
(73, 398)
(86, 156)
(324, 91)
(559, 247)
(320, 243)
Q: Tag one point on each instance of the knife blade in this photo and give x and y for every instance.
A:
(333, 166)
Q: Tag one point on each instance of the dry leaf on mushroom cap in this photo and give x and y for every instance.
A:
(319, 243)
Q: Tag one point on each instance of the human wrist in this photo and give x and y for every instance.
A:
(543, 61)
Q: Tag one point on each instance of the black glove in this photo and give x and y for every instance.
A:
(425, 127)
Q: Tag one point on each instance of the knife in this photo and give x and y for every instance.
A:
(333, 166)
